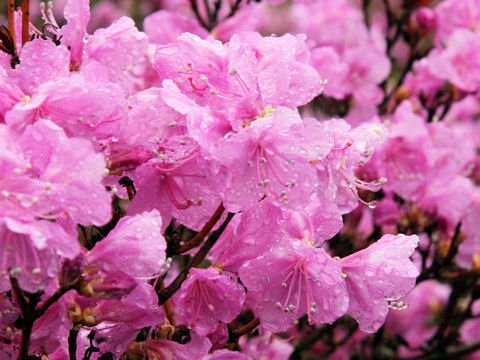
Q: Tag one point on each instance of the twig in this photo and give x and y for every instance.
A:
(92, 348)
(432, 270)
(27, 308)
(309, 341)
(52, 299)
(233, 9)
(168, 292)
(248, 327)
(197, 239)
(168, 310)
(18, 294)
(11, 22)
(25, 21)
(72, 342)
(455, 353)
(366, 16)
(193, 5)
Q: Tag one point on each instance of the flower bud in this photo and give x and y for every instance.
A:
(71, 271)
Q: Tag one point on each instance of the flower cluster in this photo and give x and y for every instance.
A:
(287, 170)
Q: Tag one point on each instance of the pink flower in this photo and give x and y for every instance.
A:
(377, 277)
(416, 323)
(458, 63)
(196, 348)
(453, 15)
(47, 175)
(178, 183)
(28, 252)
(77, 14)
(266, 346)
(249, 235)
(121, 48)
(470, 247)
(207, 297)
(10, 94)
(163, 27)
(293, 280)
(408, 155)
(134, 247)
(226, 355)
(40, 61)
(82, 105)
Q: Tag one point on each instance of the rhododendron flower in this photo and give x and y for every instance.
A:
(47, 175)
(209, 296)
(135, 247)
(379, 276)
(293, 280)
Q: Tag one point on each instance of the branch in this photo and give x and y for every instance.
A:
(248, 327)
(25, 21)
(52, 299)
(168, 292)
(11, 22)
(432, 270)
(18, 294)
(72, 342)
(203, 232)
(193, 5)
(455, 353)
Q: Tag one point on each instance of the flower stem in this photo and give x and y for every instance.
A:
(25, 21)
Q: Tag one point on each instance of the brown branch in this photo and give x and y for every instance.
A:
(25, 21)
(168, 310)
(52, 299)
(233, 9)
(455, 353)
(194, 6)
(18, 294)
(168, 292)
(72, 342)
(28, 316)
(437, 266)
(11, 22)
(250, 326)
(197, 239)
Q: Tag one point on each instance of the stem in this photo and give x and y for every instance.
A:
(72, 342)
(168, 292)
(316, 335)
(168, 310)
(251, 325)
(234, 9)
(25, 21)
(18, 295)
(11, 21)
(366, 17)
(51, 300)
(193, 5)
(26, 335)
(437, 266)
(197, 239)
(28, 315)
